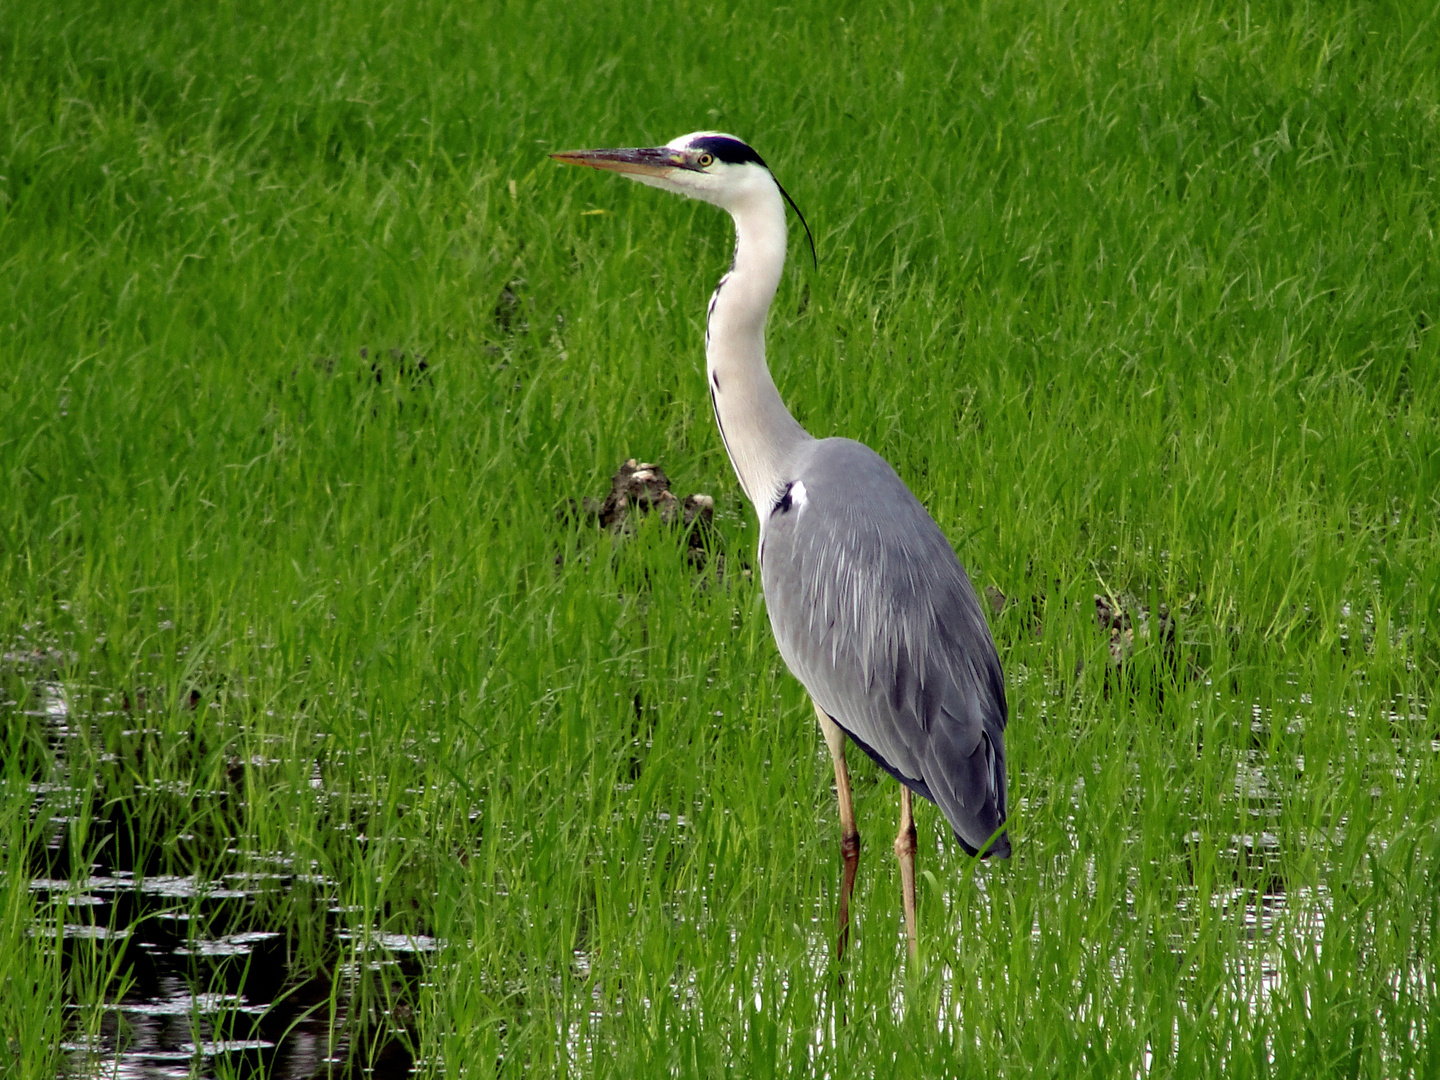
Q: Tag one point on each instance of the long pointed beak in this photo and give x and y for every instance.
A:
(636, 161)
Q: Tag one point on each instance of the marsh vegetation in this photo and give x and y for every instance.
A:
(332, 742)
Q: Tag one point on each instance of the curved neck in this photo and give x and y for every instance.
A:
(760, 435)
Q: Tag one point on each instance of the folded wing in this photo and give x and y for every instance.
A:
(874, 614)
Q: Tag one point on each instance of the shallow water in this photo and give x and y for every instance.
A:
(213, 985)
(192, 998)
(206, 986)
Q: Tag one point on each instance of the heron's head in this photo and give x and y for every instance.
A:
(707, 165)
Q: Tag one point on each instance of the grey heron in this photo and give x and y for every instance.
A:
(868, 602)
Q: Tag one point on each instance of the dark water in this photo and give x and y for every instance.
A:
(202, 980)
(191, 997)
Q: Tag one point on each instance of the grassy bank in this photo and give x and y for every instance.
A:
(306, 346)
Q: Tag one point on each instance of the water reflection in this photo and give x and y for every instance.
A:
(206, 985)
(191, 997)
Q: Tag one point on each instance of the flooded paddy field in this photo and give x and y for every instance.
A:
(265, 961)
(349, 729)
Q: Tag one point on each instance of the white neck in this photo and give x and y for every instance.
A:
(760, 435)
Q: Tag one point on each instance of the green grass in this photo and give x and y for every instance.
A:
(1139, 299)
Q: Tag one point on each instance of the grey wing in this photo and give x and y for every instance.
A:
(873, 613)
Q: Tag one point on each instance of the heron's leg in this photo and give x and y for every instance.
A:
(905, 846)
(849, 834)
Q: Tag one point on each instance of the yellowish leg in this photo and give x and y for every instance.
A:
(905, 846)
(849, 835)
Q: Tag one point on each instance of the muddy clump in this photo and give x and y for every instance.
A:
(645, 487)
(639, 488)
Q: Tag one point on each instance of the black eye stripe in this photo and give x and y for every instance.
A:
(734, 152)
(730, 151)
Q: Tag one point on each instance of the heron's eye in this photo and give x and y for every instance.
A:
(705, 160)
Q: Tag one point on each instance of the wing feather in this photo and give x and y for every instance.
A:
(874, 614)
